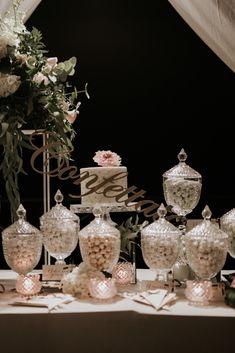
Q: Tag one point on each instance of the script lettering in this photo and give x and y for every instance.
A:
(64, 171)
(112, 188)
(127, 191)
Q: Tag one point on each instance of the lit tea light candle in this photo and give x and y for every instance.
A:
(123, 272)
(28, 285)
(102, 288)
(198, 292)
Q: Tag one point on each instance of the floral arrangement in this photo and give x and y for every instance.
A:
(34, 94)
(77, 281)
(107, 159)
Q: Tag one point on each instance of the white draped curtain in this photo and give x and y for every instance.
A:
(27, 6)
(214, 22)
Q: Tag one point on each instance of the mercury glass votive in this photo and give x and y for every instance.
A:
(198, 292)
(28, 285)
(102, 288)
(123, 272)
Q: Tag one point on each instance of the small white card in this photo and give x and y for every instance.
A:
(51, 301)
(55, 272)
(159, 299)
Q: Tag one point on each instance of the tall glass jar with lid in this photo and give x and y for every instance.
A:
(206, 247)
(22, 245)
(99, 243)
(182, 186)
(60, 229)
(160, 244)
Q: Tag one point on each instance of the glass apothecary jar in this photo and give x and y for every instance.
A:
(227, 224)
(100, 243)
(22, 244)
(206, 247)
(182, 186)
(160, 244)
(60, 229)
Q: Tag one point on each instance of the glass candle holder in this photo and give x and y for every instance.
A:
(28, 285)
(198, 293)
(102, 288)
(123, 272)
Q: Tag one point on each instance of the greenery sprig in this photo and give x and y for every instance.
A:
(129, 232)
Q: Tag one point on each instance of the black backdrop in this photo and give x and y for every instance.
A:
(155, 87)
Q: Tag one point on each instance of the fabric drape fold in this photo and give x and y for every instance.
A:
(27, 6)
(214, 23)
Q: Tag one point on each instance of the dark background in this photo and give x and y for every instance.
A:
(155, 87)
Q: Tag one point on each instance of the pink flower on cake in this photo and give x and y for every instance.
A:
(107, 159)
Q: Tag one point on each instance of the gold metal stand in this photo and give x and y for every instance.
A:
(46, 181)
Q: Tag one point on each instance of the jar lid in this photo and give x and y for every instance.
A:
(182, 170)
(21, 226)
(228, 218)
(161, 226)
(206, 229)
(98, 225)
(59, 211)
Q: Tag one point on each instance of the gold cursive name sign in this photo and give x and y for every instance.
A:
(109, 187)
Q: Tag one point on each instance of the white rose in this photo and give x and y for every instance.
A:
(9, 84)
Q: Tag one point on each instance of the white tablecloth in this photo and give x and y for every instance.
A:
(181, 307)
(122, 325)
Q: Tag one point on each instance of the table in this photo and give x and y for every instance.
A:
(122, 325)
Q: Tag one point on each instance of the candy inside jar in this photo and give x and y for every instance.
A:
(206, 247)
(100, 243)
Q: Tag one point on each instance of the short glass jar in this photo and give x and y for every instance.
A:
(100, 243)
(160, 244)
(206, 247)
(102, 289)
(123, 272)
(198, 293)
(28, 285)
(60, 229)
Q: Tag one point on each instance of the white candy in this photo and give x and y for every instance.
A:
(59, 239)
(206, 257)
(22, 253)
(100, 251)
(159, 253)
(183, 194)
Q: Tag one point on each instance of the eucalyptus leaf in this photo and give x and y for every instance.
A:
(4, 127)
